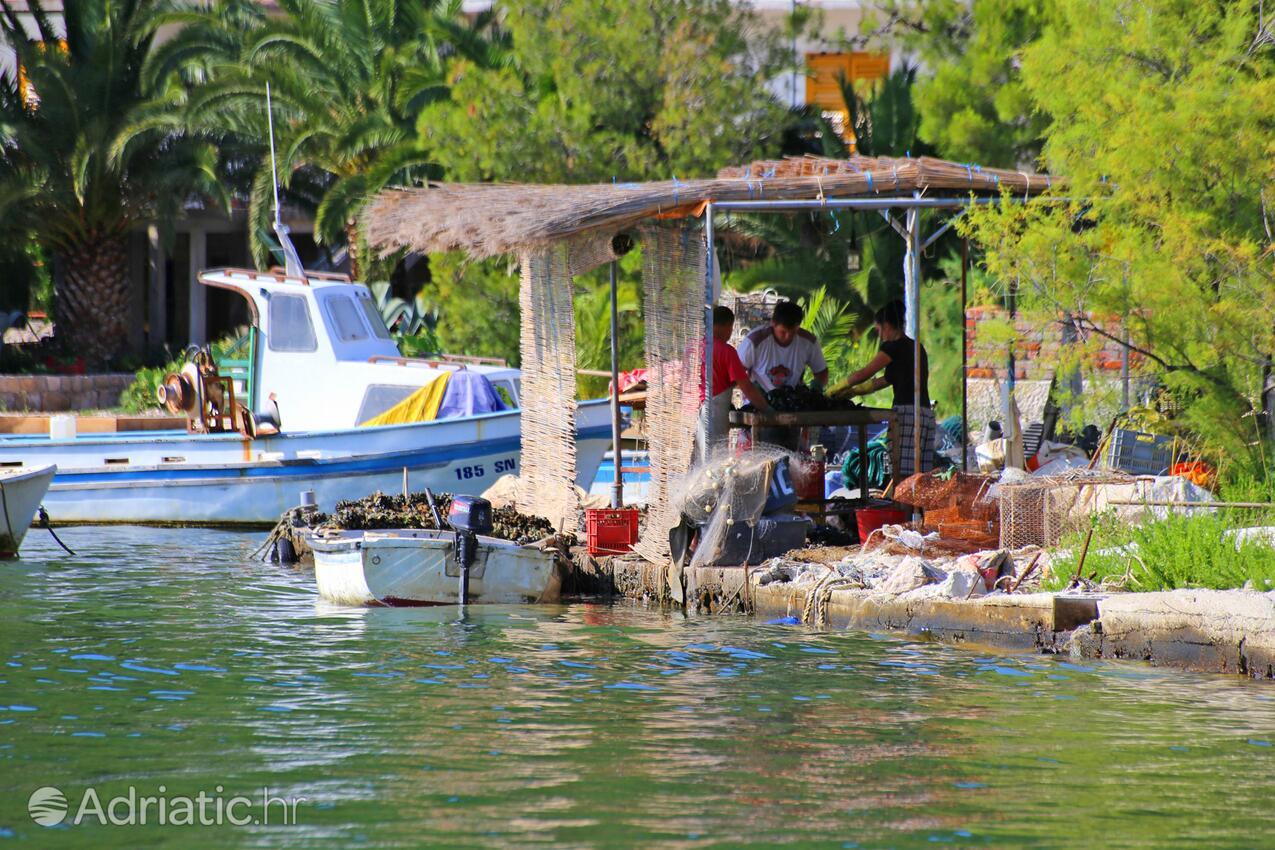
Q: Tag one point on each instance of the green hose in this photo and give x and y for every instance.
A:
(878, 450)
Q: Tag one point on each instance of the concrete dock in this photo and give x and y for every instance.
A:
(1220, 631)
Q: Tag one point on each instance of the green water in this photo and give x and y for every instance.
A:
(167, 658)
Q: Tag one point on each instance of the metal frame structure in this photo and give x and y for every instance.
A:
(909, 229)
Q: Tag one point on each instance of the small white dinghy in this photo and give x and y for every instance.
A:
(420, 567)
(21, 493)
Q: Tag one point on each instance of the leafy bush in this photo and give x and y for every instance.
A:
(1177, 552)
(418, 344)
(140, 395)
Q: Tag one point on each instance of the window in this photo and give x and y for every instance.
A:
(374, 319)
(380, 398)
(290, 326)
(345, 319)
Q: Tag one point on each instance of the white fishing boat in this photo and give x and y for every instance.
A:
(21, 493)
(420, 567)
(297, 412)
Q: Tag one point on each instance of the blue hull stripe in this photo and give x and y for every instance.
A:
(308, 467)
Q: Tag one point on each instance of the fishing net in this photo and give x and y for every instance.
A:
(961, 496)
(673, 287)
(548, 349)
(726, 497)
(959, 507)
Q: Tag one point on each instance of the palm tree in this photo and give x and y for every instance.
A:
(75, 170)
(348, 77)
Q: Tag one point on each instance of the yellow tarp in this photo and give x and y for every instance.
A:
(420, 406)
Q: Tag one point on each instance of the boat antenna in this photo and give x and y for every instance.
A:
(292, 260)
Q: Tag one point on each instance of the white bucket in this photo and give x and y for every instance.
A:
(62, 426)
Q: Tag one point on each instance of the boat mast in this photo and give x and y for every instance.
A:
(292, 260)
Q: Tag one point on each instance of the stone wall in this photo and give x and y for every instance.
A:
(49, 393)
(1036, 348)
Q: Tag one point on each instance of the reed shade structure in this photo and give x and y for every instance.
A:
(673, 288)
(548, 345)
(536, 222)
(490, 219)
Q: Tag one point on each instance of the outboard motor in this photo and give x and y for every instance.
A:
(469, 516)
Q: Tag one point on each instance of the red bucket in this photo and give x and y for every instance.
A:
(870, 519)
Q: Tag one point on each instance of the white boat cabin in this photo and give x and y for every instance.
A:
(319, 350)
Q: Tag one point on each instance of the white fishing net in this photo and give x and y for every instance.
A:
(673, 278)
(726, 497)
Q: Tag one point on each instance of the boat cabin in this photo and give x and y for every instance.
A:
(319, 356)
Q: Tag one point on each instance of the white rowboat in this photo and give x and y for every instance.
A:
(419, 567)
(21, 493)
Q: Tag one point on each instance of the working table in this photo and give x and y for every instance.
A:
(858, 418)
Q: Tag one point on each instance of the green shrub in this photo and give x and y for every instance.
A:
(1176, 552)
(140, 395)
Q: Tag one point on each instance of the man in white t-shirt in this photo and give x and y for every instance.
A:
(777, 355)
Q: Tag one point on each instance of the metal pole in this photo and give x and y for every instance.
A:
(965, 360)
(912, 304)
(1124, 372)
(617, 487)
(874, 203)
(796, 72)
(1011, 365)
(706, 408)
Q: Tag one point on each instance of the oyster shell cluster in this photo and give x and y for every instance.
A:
(382, 511)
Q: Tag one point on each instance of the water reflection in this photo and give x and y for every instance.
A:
(167, 657)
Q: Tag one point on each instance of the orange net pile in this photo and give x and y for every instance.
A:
(958, 508)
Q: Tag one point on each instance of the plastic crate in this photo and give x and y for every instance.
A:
(610, 531)
(1140, 453)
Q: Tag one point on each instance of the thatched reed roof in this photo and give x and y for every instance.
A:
(487, 219)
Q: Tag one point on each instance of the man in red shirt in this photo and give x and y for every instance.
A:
(728, 374)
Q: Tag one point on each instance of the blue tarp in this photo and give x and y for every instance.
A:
(469, 394)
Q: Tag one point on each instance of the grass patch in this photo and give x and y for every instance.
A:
(1192, 551)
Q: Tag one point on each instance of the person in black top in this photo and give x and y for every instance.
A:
(895, 360)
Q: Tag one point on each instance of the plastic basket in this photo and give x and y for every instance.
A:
(610, 531)
(1139, 453)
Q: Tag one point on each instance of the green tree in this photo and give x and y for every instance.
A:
(628, 91)
(477, 304)
(349, 79)
(599, 91)
(974, 106)
(1164, 130)
(78, 171)
(593, 322)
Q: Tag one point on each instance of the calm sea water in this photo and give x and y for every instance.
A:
(163, 658)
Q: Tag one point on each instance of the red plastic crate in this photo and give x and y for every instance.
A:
(610, 531)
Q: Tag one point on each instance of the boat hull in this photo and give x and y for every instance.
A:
(21, 494)
(184, 479)
(409, 567)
